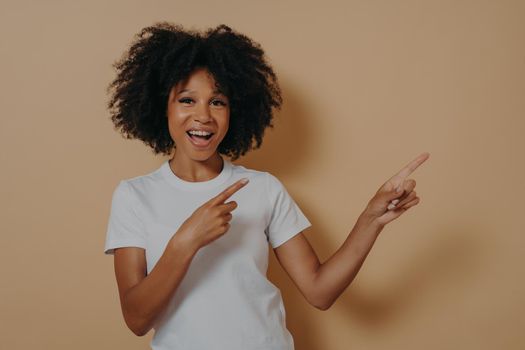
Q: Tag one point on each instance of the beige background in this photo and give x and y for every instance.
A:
(368, 85)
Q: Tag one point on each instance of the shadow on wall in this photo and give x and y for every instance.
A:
(443, 266)
(287, 146)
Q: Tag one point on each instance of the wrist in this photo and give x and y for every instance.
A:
(370, 221)
(184, 244)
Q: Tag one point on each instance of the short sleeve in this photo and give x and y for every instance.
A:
(286, 219)
(124, 228)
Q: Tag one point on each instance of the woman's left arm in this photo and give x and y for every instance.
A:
(322, 284)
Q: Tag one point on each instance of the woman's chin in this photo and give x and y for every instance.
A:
(202, 155)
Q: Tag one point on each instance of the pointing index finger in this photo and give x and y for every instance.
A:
(413, 165)
(229, 191)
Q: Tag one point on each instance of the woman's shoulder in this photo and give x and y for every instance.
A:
(252, 174)
(140, 183)
(270, 181)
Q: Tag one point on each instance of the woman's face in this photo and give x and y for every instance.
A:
(198, 115)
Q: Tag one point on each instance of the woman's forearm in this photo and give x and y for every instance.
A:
(336, 273)
(144, 302)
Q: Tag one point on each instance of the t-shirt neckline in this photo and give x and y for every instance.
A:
(177, 182)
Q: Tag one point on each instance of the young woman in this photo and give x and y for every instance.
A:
(190, 239)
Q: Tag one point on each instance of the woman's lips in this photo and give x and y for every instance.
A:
(199, 142)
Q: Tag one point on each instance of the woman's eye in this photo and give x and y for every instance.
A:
(185, 100)
(219, 103)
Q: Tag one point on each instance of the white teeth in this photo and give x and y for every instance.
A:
(199, 132)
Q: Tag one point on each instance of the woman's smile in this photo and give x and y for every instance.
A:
(200, 141)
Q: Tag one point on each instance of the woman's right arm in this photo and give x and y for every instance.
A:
(143, 297)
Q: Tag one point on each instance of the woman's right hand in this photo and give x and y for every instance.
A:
(211, 220)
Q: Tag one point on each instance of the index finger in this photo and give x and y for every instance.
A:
(410, 167)
(228, 192)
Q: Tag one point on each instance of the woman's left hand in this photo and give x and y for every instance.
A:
(388, 204)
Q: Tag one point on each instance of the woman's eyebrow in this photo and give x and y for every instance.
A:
(216, 91)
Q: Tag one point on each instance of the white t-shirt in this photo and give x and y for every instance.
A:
(225, 301)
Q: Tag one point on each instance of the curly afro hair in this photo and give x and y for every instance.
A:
(164, 54)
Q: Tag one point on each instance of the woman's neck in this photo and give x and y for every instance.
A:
(192, 170)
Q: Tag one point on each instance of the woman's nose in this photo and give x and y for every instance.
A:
(202, 114)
